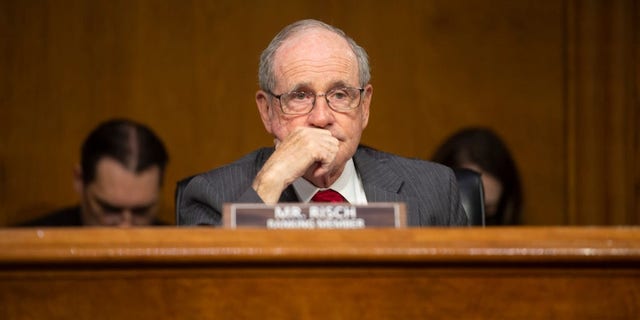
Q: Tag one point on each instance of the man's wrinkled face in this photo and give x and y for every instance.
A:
(318, 61)
(119, 197)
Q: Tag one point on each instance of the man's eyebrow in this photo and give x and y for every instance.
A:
(338, 84)
(111, 207)
(143, 207)
(335, 84)
(301, 86)
(108, 206)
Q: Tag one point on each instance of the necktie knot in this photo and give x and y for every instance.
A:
(328, 195)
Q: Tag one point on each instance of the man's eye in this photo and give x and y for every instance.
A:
(111, 210)
(140, 211)
(299, 95)
(339, 95)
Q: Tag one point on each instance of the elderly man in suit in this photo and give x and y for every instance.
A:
(314, 99)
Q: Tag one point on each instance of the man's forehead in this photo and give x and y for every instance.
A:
(316, 42)
(109, 166)
(315, 52)
(110, 173)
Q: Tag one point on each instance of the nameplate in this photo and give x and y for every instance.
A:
(315, 215)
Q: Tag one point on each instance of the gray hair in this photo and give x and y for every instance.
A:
(266, 74)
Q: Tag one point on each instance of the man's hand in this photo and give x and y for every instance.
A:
(304, 150)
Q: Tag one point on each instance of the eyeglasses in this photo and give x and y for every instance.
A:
(112, 215)
(302, 102)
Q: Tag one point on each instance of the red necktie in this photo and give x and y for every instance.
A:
(328, 196)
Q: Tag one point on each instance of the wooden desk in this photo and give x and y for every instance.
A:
(202, 273)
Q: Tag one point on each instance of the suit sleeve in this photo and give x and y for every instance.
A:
(197, 207)
(202, 203)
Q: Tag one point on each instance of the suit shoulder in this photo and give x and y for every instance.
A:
(397, 161)
(66, 217)
(228, 180)
(249, 162)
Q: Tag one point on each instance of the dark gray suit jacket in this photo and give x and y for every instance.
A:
(429, 190)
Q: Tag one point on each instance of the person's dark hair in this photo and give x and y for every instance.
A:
(484, 148)
(130, 143)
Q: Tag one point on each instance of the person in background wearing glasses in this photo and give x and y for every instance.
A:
(118, 180)
(314, 99)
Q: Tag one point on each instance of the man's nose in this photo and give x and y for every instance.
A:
(127, 219)
(321, 115)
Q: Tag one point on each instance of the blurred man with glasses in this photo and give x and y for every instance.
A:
(118, 179)
(314, 100)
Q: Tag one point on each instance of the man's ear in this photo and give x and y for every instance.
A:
(78, 184)
(264, 108)
(366, 102)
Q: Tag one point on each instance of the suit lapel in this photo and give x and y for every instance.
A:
(380, 184)
(289, 195)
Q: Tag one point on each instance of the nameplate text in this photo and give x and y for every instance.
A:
(315, 215)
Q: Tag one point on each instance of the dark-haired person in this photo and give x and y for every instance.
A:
(482, 150)
(314, 100)
(119, 178)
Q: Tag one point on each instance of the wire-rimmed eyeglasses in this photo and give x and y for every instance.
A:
(302, 102)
